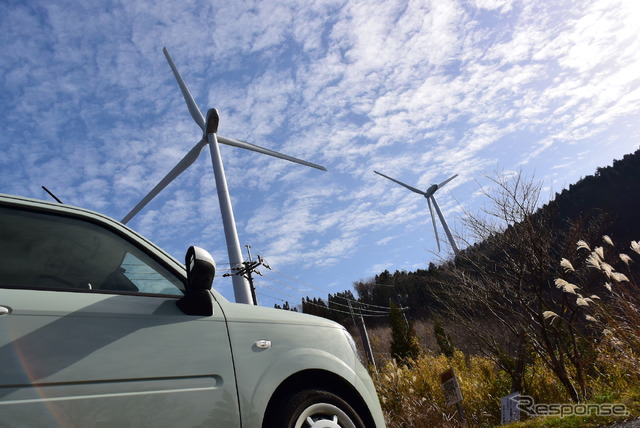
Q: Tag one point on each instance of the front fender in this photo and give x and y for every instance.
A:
(258, 376)
(295, 348)
(299, 343)
(297, 361)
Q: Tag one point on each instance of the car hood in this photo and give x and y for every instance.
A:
(238, 312)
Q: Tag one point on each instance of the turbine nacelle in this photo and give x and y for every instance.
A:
(211, 125)
(431, 200)
(431, 190)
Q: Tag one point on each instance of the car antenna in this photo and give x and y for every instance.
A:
(52, 195)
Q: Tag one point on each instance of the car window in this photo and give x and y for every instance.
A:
(52, 251)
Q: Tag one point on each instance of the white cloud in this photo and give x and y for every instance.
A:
(502, 5)
(418, 90)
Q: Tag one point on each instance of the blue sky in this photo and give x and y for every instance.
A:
(418, 90)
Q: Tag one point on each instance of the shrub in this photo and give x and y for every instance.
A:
(411, 395)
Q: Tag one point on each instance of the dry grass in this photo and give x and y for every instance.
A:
(412, 397)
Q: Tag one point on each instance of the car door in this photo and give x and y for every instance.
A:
(90, 334)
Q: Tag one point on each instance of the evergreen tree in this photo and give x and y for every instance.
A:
(442, 338)
(404, 342)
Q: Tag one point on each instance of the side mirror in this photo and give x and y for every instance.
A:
(200, 272)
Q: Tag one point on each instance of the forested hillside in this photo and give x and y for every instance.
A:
(611, 196)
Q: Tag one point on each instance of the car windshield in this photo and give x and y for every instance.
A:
(44, 250)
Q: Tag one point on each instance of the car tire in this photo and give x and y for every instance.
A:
(317, 408)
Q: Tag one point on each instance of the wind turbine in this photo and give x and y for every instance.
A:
(430, 195)
(241, 289)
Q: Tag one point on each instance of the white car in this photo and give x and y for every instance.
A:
(101, 328)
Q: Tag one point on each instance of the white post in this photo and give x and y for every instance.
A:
(241, 288)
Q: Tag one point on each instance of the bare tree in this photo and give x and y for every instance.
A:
(503, 289)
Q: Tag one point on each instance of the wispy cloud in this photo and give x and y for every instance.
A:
(418, 90)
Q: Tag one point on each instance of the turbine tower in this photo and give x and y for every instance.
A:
(241, 289)
(430, 195)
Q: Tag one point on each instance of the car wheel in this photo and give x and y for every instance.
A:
(318, 409)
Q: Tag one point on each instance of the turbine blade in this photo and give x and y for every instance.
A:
(445, 226)
(176, 171)
(199, 118)
(191, 103)
(446, 181)
(413, 189)
(259, 149)
(433, 219)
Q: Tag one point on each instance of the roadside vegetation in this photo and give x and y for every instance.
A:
(543, 301)
(574, 342)
(411, 394)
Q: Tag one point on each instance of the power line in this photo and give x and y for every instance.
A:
(320, 306)
(278, 291)
(272, 297)
(324, 291)
(284, 284)
(328, 302)
(342, 312)
(360, 305)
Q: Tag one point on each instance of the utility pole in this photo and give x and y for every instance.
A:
(362, 328)
(247, 270)
(402, 309)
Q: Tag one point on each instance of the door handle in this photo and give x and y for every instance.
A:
(4, 310)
